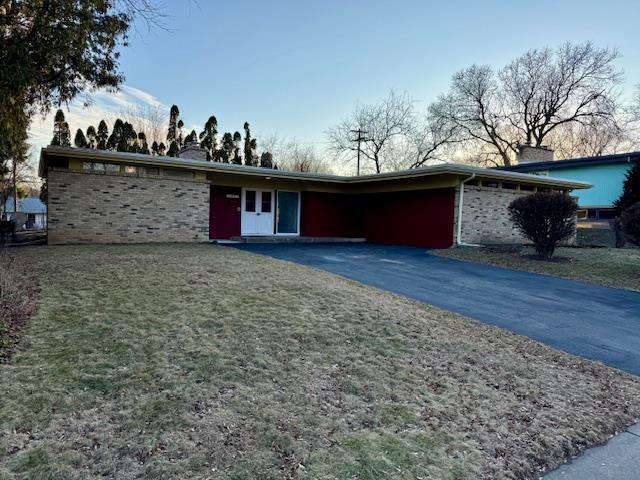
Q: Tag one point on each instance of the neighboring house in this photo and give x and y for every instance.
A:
(32, 213)
(606, 173)
(115, 197)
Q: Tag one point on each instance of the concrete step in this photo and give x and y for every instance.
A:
(292, 239)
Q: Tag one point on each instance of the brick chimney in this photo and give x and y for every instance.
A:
(527, 153)
(193, 151)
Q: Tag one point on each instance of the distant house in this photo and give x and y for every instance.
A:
(32, 213)
(606, 173)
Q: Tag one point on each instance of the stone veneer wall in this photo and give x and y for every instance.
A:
(87, 207)
(485, 218)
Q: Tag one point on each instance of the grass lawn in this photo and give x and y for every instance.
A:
(206, 362)
(611, 267)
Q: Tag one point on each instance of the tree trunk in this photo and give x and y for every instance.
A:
(14, 174)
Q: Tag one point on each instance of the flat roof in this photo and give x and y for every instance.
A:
(575, 162)
(455, 169)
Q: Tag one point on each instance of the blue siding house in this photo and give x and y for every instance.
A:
(606, 173)
(32, 213)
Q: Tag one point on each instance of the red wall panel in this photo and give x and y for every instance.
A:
(224, 212)
(422, 218)
(328, 215)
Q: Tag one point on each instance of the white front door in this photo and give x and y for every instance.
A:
(257, 212)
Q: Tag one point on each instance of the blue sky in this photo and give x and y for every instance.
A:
(298, 67)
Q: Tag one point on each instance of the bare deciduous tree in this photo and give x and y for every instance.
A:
(427, 140)
(383, 122)
(148, 119)
(531, 97)
(302, 158)
(292, 155)
(586, 139)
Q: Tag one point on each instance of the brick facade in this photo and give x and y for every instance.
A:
(104, 208)
(485, 218)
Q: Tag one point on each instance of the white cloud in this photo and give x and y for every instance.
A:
(104, 105)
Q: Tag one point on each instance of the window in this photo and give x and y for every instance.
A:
(509, 186)
(490, 184)
(131, 170)
(168, 172)
(266, 202)
(288, 206)
(92, 166)
(151, 171)
(250, 201)
(100, 167)
(527, 188)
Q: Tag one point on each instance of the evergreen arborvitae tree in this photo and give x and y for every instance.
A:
(192, 137)
(208, 137)
(116, 135)
(65, 138)
(154, 148)
(172, 132)
(92, 136)
(249, 146)
(80, 140)
(236, 158)
(130, 140)
(143, 146)
(103, 135)
(630, 190)
(58, 120)
(123, 137)
(173, 149)
(61, 133)
(266, 160)
(180, 138)
(225, 153)
(162, 148)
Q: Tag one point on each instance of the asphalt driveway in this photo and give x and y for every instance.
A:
(594, 322)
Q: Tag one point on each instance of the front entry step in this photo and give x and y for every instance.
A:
(293, 239)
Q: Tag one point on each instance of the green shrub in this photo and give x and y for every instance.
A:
(545, 218)
(630, 222)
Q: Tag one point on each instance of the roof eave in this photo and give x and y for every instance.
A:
(458, 170)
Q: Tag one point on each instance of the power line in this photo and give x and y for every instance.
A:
(361, 138)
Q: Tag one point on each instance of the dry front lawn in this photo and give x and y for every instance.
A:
(611, 267)
(172, 362)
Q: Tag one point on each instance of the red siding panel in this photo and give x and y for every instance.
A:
(224, 213)
(422, 218)
(328, 215)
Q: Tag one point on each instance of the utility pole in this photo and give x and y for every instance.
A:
(361, 138)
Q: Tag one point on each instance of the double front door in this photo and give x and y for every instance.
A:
(257, 212)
